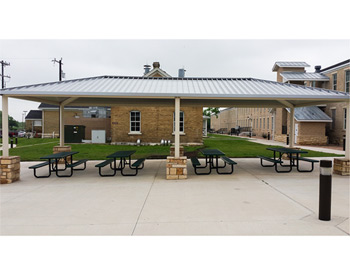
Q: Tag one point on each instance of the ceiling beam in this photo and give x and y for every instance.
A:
(69, 100)
(286, 103)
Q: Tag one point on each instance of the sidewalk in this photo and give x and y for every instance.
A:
(324, 149)
(253, 201)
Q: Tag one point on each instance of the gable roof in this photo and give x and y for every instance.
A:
(310, 114)
(34, 114)
(289, 64)
(155, 72)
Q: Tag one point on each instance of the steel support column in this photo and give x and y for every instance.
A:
(5, 126)
(61, 125)
(177, 127)
(291, 128)
(347, 137)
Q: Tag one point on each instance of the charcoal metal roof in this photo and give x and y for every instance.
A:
(310, 114)
(108, 89)
(288, 64)
(300, 76)
(345, 62)
(34, 114)
(50, 106)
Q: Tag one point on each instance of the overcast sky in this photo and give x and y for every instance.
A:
(31, 59)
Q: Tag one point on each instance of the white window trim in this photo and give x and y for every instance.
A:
(345, 81)
(333, 81)
(134, 132)
(183, 131)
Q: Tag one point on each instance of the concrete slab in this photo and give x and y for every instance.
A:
(252, 201)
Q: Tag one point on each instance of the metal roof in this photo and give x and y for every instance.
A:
(289, 64)
(105, 89)
(300, 76)
(34, 114)
(311, 114)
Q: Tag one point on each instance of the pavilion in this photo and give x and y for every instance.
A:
(170, 91)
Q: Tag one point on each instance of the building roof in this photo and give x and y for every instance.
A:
(51, 106)
(289, 64)
(34, 114)
(310, 114)
(345, 62)
(300, 76)
(108, 90)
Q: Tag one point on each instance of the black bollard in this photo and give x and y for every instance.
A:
(287, 140)
(11, 143)
(16, 141)
(325, 190)
(268, 136)
(344, 142)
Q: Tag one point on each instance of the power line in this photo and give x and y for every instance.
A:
(3, 65)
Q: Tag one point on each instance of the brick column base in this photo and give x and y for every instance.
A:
(172, 151)
(176, 168)
(341, 167)
(59, 149)
(10, 169)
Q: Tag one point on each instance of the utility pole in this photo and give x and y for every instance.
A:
(60, 72)
(60, 75)
(3, 65)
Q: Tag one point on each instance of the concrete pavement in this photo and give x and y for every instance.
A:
(252, 201)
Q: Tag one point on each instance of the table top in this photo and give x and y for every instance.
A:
(212, 152)
(121, 154)
(59, 155)
(286, 150)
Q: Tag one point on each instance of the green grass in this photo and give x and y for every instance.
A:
(236, 147)
(242, 148)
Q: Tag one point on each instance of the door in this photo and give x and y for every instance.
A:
(296, 133)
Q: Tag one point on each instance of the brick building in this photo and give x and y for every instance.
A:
(33, 122)
(321, 124)
(128, 123)
(93, 118)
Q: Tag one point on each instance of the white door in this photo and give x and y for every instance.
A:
(98, 136)
(296, 133)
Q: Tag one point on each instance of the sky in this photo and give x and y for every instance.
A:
(31, 60)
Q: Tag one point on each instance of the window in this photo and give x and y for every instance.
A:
(264, 124)
(333, 113)
(181, 122)
(344, 124)
(313, 84)
(37, 123)
(334, 81)
(347, 81)
(135, 121)
(268, 122)
(260, 123)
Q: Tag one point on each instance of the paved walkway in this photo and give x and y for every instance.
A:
(325, 149)
(252, 201)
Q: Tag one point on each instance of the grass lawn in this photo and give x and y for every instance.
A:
(236, 147)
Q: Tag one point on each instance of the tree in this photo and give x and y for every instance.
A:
(210, 111)
(13, 124)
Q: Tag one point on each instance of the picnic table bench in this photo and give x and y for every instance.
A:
(53, 162)
(125, 158)
(294, 158)
(210, 164)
